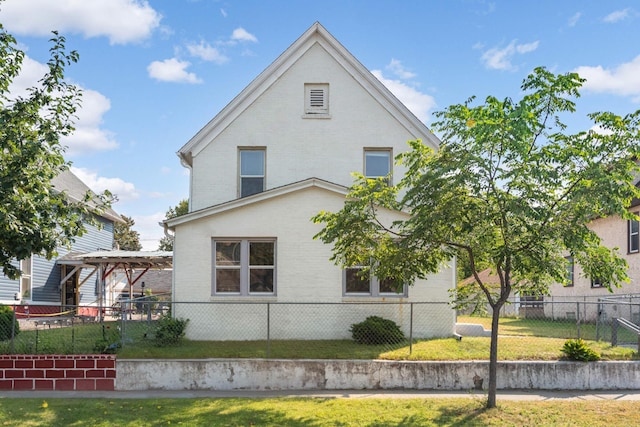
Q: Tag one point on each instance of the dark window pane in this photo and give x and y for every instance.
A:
(227, 253)
(356, 282)
(261, 253)
(391, 286)
(228, 280)
(252, 162)
(261, 280)
(376, 164)
(251, 186)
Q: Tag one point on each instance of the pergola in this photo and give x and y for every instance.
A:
(106, 262)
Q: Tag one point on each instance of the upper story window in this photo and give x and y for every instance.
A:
(252, 171)
(316, 99)
(633, 237)
(244, 267)
(597, 283)
(358, 284)
(569, 267)
(377, 162)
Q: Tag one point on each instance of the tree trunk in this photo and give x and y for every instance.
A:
(493, 355)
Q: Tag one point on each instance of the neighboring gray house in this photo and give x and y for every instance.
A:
(41, 285)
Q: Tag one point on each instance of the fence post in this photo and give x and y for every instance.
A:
(268, 330)
(578, 318)
(411, 330)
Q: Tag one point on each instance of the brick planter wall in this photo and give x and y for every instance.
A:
(57, 372)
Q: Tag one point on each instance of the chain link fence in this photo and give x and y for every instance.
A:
(271, 329)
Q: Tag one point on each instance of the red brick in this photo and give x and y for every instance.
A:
(12, 373)
(95, 373)
(4, 364)
(43, 364)
(110, 373)
(74, 373)
(86, 364)
(54, 373)
(24, 364)
(85, 384)
(64, 363)
(34, 373)
(106, 364)
(6, 384)
(43, 385)
(65, 385)
(105, 384)
(23, 385)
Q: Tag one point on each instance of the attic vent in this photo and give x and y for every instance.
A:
(316, 99)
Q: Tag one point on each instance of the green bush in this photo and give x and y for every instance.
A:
(376, 330)
(580, 351)
(110, 342)
(170, 331)
(6, 322)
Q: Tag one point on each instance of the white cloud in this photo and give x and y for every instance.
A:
(417, 102)
(223, 13)
(616, 16)
(172, 70)
(89, 136)
(622, 80)
(574, 19)
(206, 52)
(600, 130)
(240, 34)
(121, 21)
(150, 230)
(500, 59)
(396, 67)
(122, 189)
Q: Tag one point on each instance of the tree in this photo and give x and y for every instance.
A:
(509, 188)
(125, 236)
(34, 218)
(166, 243)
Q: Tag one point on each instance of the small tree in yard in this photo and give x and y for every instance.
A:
(508, 188)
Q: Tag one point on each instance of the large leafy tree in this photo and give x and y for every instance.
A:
(34, 218)
(126, 238)
(509, 188)
(182, 208)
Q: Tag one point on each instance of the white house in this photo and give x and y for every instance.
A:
(279, 153)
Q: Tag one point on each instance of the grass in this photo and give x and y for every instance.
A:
(312, 412)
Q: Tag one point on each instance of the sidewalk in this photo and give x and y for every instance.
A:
(531, 395)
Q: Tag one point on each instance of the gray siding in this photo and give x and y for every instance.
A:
(8, 287)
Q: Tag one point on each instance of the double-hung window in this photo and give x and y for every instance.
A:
(634, 235)
(244, 267)
(377, 163)
(569, 267)
(252, 171)
(25, 278)
(359, 283)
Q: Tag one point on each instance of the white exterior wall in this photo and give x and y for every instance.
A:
(299, 148)
(304, 274)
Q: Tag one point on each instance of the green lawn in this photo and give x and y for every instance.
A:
(313, 412)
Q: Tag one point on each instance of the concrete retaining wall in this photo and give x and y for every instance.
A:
(261, 374)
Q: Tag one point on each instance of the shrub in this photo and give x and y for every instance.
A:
(7, 322)
(376, 330)
(580, 351)
(170, 331)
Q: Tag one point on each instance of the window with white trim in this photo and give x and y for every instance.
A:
(358, 283)
(570, 269)
(377, 162)
(244, 267)
(316, 99)
(634, 235)
(252, 171)
(25, 279)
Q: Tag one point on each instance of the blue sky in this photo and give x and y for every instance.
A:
(155, 72)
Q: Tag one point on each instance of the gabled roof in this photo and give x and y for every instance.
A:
(315, 34)
(256, 198)
(75, 191)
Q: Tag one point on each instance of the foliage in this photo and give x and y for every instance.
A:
(376, 330)
(182, 208)
(110, 341)
(509, 187)
(34, 217)
(125, 236)
(7, 322)
(170, 331)
(580, 351)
